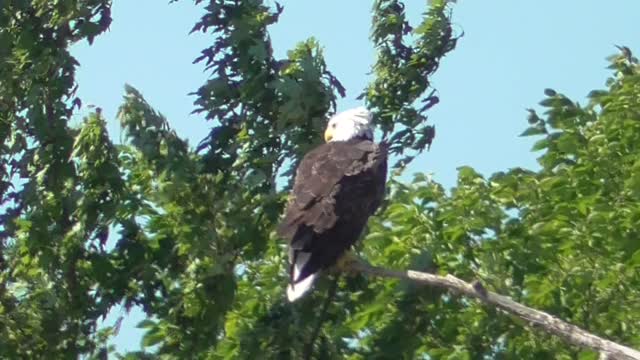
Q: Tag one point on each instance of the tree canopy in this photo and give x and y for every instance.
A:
(187, 234)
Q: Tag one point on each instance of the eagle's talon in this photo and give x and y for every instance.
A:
(346, 264)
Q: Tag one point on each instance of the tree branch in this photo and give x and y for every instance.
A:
(550, 324)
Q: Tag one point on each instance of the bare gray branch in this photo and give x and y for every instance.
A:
(550, 324)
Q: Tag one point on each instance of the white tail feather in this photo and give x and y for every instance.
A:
(295, 291)
(301, 288)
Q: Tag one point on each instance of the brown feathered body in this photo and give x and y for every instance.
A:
(338, 186)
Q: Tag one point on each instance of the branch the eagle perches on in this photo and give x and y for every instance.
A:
(550, 324)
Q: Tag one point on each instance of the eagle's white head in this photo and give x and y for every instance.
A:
(349, 124)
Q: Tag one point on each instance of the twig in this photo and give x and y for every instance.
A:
(550, 324)
(331, 293)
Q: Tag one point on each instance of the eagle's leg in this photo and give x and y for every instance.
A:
(346, 263)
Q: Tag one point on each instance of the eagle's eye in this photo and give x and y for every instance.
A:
(334, 125)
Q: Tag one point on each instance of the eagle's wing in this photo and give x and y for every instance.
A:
(338, 186)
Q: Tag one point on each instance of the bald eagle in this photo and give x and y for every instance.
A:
(338, 185)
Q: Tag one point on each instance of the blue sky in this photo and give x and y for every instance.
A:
(511, 52)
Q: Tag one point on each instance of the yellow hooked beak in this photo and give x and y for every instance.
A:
(328, 134)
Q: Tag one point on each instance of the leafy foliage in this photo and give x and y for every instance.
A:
(402, 73)
(561, 239)
(56, 211)
(186, 234)
(88, 225)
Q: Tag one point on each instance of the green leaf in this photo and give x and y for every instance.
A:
(540, 144)
(635, 259)
(153, 338)
(588, 355)
(534, 130)
(145, 324)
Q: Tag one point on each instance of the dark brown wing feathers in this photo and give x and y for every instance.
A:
(338, 186)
